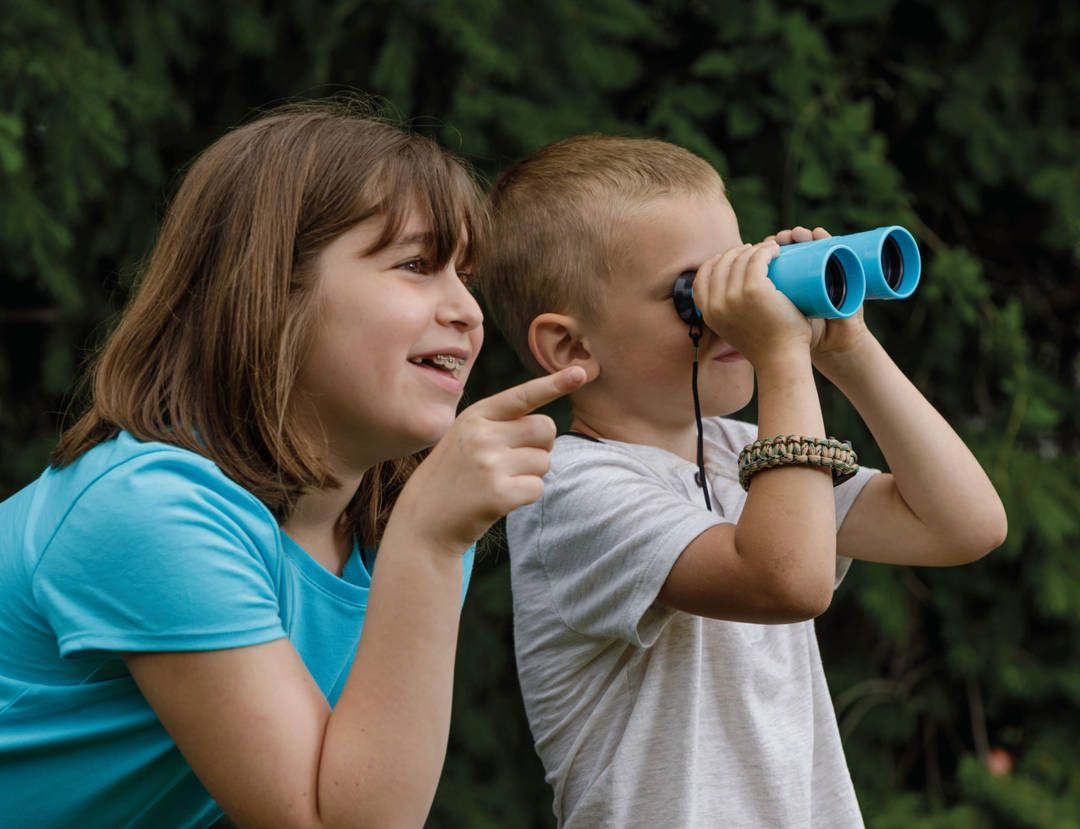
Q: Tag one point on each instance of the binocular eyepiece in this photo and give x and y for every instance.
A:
(830, 278)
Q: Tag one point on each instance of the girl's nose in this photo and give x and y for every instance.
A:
(459, 307)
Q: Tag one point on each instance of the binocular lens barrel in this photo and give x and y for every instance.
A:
(830, 278)
(890, 259)
(824, 281)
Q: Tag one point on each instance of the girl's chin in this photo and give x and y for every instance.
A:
(428, 434)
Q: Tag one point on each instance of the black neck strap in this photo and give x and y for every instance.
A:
(704, 484)
(583, 436)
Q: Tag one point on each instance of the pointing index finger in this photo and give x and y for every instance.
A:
(519, 400)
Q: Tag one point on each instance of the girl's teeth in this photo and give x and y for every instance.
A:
(447, 361)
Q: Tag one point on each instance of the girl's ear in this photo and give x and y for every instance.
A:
(558, 341)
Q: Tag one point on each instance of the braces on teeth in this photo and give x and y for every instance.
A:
(448, 360)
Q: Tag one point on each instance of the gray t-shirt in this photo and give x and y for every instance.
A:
(646, 716)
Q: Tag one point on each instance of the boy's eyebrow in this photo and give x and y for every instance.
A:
(667, 277)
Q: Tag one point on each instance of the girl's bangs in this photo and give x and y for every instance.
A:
(423, 178)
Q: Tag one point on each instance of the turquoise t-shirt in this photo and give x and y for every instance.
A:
(141, 547)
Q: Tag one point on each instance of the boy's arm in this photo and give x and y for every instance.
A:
(778, 564)
(937, 507)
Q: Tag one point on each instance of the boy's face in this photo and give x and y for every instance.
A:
(643, 348)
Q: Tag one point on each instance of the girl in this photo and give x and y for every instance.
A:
(182, 592)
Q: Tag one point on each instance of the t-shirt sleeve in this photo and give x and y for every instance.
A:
(740, 434)
(161, 553)
(845, 496)
(610, 532)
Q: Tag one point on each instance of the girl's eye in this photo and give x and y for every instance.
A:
(415, 266)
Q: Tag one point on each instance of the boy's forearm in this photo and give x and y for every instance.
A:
(789, 515)
(788, 402)
(935, 473)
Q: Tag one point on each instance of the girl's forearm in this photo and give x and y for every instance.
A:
(934, 472)
(385, 741)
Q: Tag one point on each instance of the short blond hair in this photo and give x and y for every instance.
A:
(558, 222)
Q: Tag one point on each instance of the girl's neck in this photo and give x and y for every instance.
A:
(318, 524)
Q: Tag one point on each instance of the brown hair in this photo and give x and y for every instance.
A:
(207, 353)
(558, 224)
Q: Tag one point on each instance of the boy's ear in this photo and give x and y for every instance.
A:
(558, 341)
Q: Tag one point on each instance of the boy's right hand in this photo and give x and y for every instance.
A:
(742, 305)
(490, 462)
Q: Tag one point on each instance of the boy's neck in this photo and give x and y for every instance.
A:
(679, 440)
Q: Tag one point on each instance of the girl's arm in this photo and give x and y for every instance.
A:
(252, 722)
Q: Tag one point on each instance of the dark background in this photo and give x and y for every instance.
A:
(957, 691)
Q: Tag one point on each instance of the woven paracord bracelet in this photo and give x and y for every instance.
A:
(828, 452)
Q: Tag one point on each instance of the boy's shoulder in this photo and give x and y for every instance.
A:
(724, 439)
(593, 482)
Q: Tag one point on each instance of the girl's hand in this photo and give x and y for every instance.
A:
(740, 303)
(832, 339)
(490, 462)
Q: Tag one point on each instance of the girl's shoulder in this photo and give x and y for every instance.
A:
(146, 546)
(126, 473)
(126, 489)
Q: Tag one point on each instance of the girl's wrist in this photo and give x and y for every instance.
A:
(410, 528)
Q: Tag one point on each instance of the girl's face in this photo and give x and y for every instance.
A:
(370, 371)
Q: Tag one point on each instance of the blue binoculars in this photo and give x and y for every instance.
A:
(830, 278)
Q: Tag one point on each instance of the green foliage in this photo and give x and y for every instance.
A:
(958, 119)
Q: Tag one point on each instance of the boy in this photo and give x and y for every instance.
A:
(666, 651)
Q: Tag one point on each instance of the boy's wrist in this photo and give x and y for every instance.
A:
(784, 363)
(845, 365)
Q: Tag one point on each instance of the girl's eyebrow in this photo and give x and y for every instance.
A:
(421, 239)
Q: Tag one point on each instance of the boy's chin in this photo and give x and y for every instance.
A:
(727, 407)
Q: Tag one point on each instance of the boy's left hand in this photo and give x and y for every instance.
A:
(830, 338)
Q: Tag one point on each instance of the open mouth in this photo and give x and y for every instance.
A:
(439, 362)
